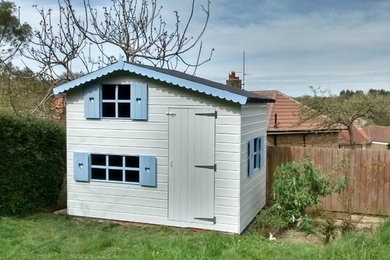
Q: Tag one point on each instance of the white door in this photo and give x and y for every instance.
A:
(191, 164)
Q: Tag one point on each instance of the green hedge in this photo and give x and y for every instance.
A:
(32, 164)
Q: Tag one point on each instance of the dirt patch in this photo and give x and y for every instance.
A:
(321, 235)
(294, 236)
(61, 212)
(359, 222)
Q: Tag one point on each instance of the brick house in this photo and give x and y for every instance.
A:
(284, 127)
(367, 137)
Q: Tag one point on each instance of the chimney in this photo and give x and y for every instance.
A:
(276, 121)
(233, 80)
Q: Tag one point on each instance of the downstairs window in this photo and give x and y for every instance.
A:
(115, 168)
(256, 154)
(140, 170)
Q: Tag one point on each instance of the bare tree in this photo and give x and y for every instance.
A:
(55, 49)
(13, 35)
(60, 51)
(139, 31)
(334, 111)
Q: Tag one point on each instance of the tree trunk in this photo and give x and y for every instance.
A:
(351, 139)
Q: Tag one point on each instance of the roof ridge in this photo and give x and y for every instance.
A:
(172, 77)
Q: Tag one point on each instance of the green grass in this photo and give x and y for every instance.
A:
(58, 237)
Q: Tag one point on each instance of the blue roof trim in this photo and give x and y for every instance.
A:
(89, 77)
(170, 77)
(185, 83)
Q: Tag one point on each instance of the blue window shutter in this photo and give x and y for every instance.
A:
(262, 152)
(139, 101)
(251, 146)
(81, 167)
(92, 101)
(147, 171)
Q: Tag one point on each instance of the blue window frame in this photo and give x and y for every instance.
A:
(116, 101)
(123, 101)
(115, 168)
(140, 170)
(256, 154)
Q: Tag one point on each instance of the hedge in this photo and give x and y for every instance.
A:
(32, 164)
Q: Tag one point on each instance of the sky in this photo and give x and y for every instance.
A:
(289, 44)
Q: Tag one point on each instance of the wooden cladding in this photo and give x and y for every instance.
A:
(367, 173)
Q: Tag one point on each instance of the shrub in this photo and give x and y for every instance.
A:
(270, 221)
(32, 164)
(298, 186)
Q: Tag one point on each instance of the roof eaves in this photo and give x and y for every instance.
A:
(186, 83)
(261, 99)
(149, 73)
(89, 77)
(299, 131)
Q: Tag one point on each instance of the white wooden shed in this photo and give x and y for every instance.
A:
(153, 145)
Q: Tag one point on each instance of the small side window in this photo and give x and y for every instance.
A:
(256, 154)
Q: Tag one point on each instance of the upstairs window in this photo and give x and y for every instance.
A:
(116, 101)
(122, 101)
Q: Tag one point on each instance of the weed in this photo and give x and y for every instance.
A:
(48, 236)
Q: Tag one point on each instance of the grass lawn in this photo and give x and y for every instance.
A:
(58, 237)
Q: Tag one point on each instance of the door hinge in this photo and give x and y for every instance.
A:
(211, 167)
(214, 220)
(214, 114)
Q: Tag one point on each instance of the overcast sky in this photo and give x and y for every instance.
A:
(289, 44)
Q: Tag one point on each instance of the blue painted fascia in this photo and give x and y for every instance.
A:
(120, 65)
(186, 83)
(89, 77)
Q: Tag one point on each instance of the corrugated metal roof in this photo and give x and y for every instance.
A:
(173, 77)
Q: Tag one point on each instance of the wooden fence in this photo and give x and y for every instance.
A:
(367, 173)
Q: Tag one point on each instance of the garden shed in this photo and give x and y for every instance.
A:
(152, 145)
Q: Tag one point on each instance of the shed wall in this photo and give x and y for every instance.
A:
(125, 137)
(253, 188)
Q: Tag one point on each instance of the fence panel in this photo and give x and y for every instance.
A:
(367, 174)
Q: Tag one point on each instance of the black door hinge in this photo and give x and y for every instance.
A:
(211, 167)
(214, 220)
(214, 114)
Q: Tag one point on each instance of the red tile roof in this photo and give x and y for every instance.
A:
(286, 110)
(378, 133)
(359, 136)
(366, 134)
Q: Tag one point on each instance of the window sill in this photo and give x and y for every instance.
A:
(123, 119)
(116, 182)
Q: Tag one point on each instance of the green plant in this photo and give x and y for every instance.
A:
(384, 232)
(47, 236)
(32, 164)
(329, 229)
(270, 221)
(299, 186)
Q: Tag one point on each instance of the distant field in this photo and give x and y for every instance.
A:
(58, 237)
